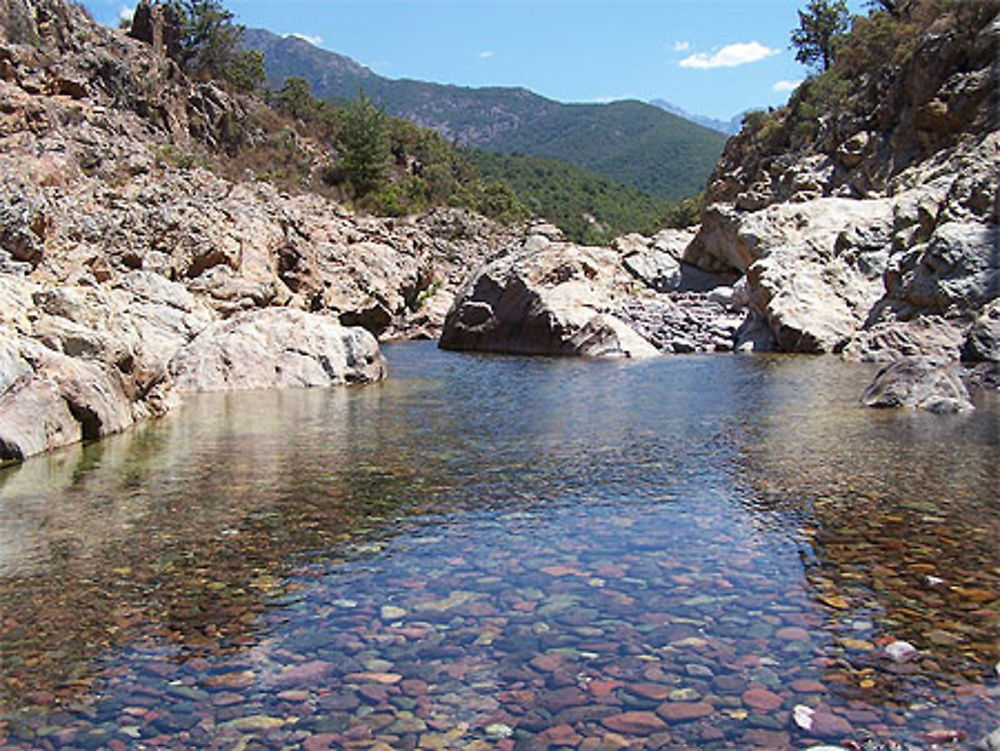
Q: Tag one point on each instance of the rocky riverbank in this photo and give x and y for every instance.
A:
(130, 273)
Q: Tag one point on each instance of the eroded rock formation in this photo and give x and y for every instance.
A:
(871, 230)
(129, 273)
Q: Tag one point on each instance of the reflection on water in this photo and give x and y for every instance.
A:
(512, 553)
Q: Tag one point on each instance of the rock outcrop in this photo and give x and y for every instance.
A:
(635, 299)
(918, 383)
(276, 348)
(130, 274)
(556, 300)
(872, 230)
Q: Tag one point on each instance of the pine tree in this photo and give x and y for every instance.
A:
(820, 24)
(296, 98)
(364, 145)
(210, 44)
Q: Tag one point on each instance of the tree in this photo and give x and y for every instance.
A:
(210, 45)
(892, 7)
(296, 98)
(365, 147)
(820, 24)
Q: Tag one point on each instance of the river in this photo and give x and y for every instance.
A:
(507, 552)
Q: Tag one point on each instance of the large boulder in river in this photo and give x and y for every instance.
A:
(276, 348)
(918, 383)
(547, 299)
(50, 399)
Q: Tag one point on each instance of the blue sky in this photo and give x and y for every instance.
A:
(711, 57)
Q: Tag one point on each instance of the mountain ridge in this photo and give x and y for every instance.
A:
(666, 155)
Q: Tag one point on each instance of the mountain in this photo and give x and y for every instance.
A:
(729, 127)
(631, 142)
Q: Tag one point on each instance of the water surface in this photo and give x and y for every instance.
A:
(504, 552)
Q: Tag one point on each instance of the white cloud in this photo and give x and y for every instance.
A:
(729, 56)
(125, 13)
(314, 40)
(786, 85)
(486, 54)
(681, 46)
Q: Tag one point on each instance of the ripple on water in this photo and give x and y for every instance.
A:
(711, 552)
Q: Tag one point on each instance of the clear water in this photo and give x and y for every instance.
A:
(503, 552)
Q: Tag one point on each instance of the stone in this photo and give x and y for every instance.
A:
(320, 742)
(498, 731)
(989, 742)
(678, 712)
(554, 301)
(634, 723)
(310, 672)
(276, 348)
(255, 722)
(982, 343)
(62, 400)
(392, 613)
(792, 633)
(806, 686)
(900, 651)
(654, 268)
(560, 735)
(918, 383)
(800, 279)
(761, 699)
(848, 229)
(653, 691)
(826, 724)
(384, 679)
(802, 716)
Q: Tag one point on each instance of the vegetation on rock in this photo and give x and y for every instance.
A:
(383, 164)
(210, 44)
(364, 146)
(863, 92)
(821, 24)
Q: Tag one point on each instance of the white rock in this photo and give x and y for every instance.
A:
(276, 348)
(900, 651)
(803, 716)
(498, 731)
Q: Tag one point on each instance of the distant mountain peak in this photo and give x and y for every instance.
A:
(730, 127)
(629, 141)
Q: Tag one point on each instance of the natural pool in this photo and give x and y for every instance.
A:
(502, 552)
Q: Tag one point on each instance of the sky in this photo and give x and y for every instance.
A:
(711, 57)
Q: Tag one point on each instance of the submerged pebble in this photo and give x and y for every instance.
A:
(672, 580)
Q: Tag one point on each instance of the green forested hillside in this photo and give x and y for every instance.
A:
(631, 142)
(587, 207)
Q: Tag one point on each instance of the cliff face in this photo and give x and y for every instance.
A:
(130, 274)
(864, 213)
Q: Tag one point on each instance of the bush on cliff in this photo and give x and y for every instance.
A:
(210, 45)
